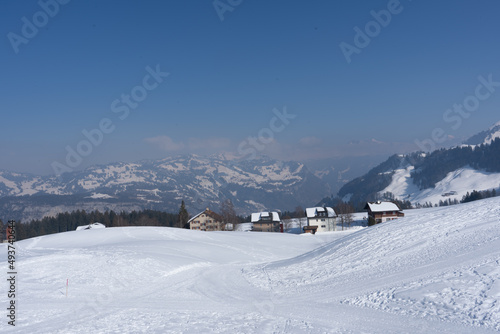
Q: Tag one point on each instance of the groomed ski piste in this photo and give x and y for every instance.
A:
(435, 271)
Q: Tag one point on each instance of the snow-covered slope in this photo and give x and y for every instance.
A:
(493, 134)
(485, 137)
(434, 271)
(441, 175)
(454, 186)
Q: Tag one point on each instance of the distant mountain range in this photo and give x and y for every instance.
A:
(442, 175)
(257, 184)
(254, 185)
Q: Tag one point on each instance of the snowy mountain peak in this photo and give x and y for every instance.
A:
(485, 137)
(493, 134)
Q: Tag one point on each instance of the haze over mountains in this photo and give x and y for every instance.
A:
(254, 185)
(201, 182)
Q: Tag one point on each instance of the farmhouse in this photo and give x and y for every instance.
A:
(383, 211)
(206, 221)
(321, 217)
(266, 222)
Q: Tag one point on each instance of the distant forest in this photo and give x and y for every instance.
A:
(429, 169)
(69, 221)
(439, 163)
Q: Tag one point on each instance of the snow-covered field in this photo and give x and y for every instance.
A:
(435, 271)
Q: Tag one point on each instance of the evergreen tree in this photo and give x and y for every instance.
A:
(182, 221)
(371, 221)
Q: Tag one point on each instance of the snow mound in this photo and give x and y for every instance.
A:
(90, 226)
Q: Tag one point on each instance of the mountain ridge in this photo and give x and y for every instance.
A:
(442, 175)
(259, 184)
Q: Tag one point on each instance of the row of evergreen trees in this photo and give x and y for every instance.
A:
(69, 221)
(477, 195)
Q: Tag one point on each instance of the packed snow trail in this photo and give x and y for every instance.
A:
(434, 271)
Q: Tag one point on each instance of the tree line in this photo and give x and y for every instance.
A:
(69, 221)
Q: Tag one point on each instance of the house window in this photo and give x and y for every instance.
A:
(323, 226)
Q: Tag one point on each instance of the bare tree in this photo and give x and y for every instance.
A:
(288, 223)
(228, 214)
(299, 212)
(345, 212)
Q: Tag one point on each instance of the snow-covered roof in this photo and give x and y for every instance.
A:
(90, 226)
(313, 212)
(256, 217)
(382, 206)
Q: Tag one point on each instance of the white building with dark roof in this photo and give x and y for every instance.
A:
(266, 222)
(383, 211)
(323, 218)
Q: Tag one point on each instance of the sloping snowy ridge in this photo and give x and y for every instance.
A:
(436, 270)
(454, 186)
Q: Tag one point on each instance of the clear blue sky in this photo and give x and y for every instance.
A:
(226, 77)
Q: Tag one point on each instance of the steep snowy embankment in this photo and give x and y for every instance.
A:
(440, 263)
(454, 186)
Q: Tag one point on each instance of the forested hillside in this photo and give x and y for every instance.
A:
(426, 169)
(439, 163)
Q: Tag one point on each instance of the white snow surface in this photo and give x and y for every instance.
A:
(99, 195)
(383, 206)
(493, 134)
(89, 226)
(255, 217)
(454, 186)
(435, 271)
(492, 137)
(313, 212)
